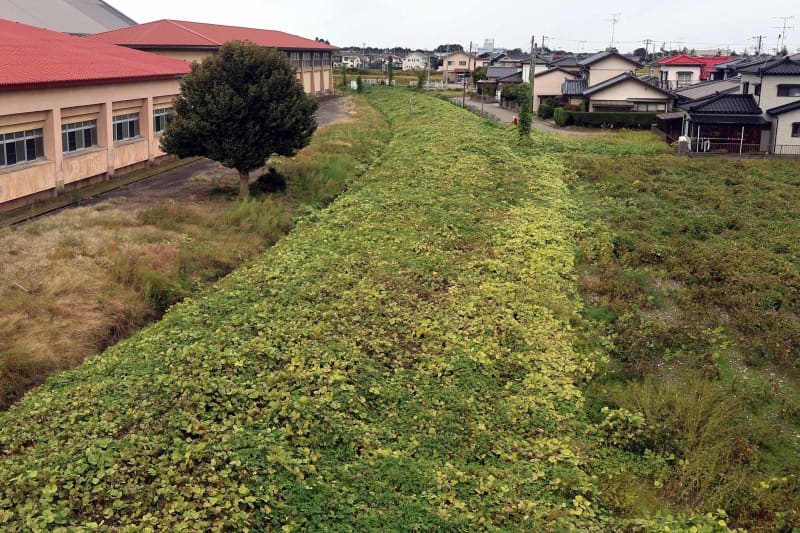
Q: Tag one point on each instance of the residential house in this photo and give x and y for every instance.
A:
(415, 61)
(569, 62)
(775, 85)
(671, 124)
(488, 59)
(605, 66)
(548, 84)
(457, 67)
(682, 70)
(74, 111)
(76, 17)
(730, 69)
(193, 41)
(626, 92)
(726, 123)
(540, 66)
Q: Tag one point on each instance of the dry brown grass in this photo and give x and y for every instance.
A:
(76, 282)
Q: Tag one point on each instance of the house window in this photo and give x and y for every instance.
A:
(449, 63)
(21, 147)
(746, 87)
(126, 126)
(307, 60)
(78, 136)
(652, 107)
(684, 77)
(796, 129)
(788, 90)
(462, 63)
(757, 89)
(161, 118)
(294, 58)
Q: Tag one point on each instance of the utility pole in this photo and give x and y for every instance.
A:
(760, 39)
(784, 28)
(469, 69)
(614, 20)
(647, 43)
(532, 74)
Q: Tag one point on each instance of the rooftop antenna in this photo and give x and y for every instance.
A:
(785, 27)
(614, 20)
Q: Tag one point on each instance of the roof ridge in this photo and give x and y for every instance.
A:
(175, 23)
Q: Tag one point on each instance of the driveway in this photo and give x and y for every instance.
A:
(504, 116)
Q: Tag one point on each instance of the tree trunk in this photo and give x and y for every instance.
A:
(244, 184)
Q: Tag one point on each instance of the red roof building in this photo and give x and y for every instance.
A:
(193, 41)
(73, 110)
(706, 64)
(177, 33)
(33, 58)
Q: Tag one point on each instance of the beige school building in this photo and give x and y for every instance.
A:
(193, 41)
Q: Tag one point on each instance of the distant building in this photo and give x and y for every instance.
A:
(193, 41)
(415, 61)
(73, 111)
(76, 17)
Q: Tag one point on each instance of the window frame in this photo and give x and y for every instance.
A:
(788, 90)
(25, 141)
(795, 130)
(88, 132)
(129, 124)
(162, 115)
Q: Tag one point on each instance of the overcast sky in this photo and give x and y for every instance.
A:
(699, 24)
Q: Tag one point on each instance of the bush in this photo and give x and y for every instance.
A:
(610, 120)
(510, 93)
(560, 116)
(545, 111)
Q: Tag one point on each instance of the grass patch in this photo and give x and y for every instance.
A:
(690, 266)
(77, 282)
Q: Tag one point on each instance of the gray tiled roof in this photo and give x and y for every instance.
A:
(793, 106)
(568, 61)
(66, 16)
(603, 55)
(574, 87)
(708, 88)
(496, 73)
(784, 66)
(619, 79)
(724, 104)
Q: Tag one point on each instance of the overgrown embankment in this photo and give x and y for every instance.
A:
(77, 282)
(403, 358)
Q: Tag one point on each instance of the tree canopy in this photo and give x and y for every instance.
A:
(239, 107)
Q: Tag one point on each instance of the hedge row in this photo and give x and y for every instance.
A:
(609, 120)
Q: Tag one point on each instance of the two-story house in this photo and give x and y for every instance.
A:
(775, 85)
(682, 70)
(457, 67)
(415, 61)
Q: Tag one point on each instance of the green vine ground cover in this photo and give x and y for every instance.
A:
(404, 360)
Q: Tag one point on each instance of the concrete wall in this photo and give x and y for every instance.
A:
(48, 109)
(549, 85)
(672, 74)
(782, 128)
(608, 68)
(630, 90)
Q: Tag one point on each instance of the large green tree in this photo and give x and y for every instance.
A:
(240, 107)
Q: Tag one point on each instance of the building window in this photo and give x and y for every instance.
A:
(161, 118)
(796, 129)
(462, 63)
(746, 87)
(449, 63)
(757, 89)
(294, 57)
(21, 147)
(126, 126)
(78, 136)
(788, 90)
(307, 60)
(651, 107)
(684, 77)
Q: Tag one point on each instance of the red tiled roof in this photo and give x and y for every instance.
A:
(32, 58)
(706, 64)
(176, 33)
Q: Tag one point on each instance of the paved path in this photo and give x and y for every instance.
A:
(507, 117)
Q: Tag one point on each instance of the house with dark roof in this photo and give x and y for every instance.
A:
(550, 85)
(73, 110)
(626, 92)
(76, 17)
(726, 123)
(605, 66)
(193, 41)
(775, 86)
